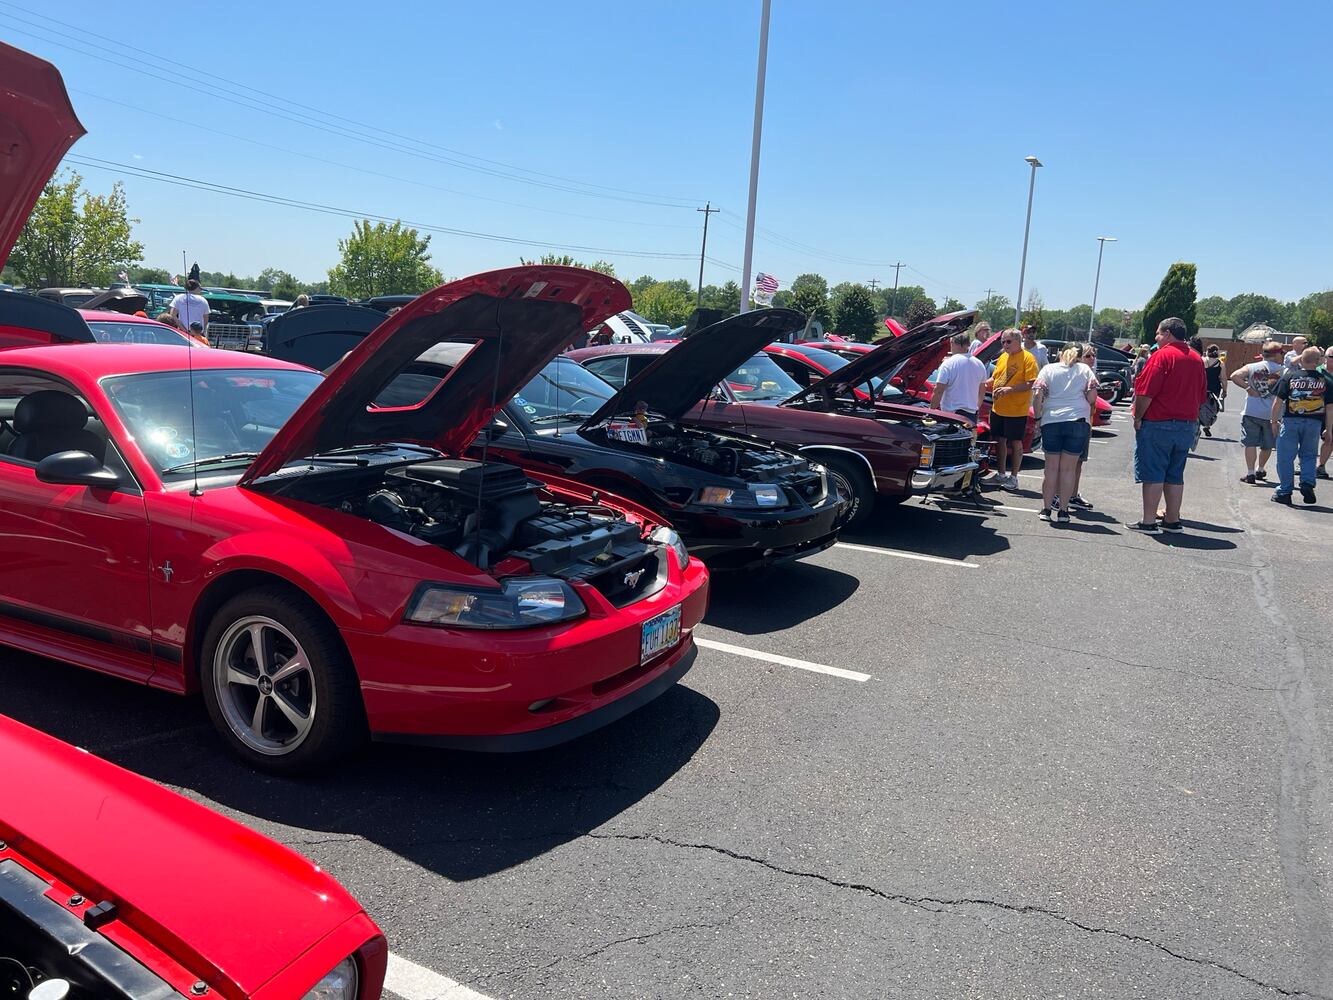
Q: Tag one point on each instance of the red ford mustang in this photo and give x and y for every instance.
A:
(322, 568)
(117, 887)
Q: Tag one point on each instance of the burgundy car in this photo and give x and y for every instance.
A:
(874, 450)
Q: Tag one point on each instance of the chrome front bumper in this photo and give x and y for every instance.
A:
(943, 480)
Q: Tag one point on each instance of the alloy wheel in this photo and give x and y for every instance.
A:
(847, 489)
(265, 685)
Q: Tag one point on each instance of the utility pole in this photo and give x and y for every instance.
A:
(896, 268)
(754, 154)
(707, 210)
(874, 284)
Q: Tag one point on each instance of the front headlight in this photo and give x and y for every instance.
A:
(521, 602)
(760, 495)
(668, 537)
(339, 984)
(927, 456)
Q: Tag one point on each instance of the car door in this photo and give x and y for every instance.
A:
(74, 560)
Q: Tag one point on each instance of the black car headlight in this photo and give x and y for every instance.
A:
(759, 496)
(521, 602)
(669, 538)
(339, 984)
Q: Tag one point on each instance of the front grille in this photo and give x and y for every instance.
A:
(648, 575)
(952, 451)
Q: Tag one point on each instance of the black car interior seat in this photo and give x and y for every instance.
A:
(51, 421)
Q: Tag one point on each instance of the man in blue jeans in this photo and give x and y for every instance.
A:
(1167, 396)
(1301, 407)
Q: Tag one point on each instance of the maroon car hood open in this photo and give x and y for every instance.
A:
(37, 126)
(184, 877)
(679, 378)
(886, 356)
(519, 318)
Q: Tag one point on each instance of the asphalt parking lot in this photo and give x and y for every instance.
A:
(960, 755)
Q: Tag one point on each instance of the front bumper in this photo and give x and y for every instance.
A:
(946, 480)
(743, 540)
(527, 688)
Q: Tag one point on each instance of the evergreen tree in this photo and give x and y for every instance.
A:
(1175, 296)
(855, 314)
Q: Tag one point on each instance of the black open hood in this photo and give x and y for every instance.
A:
(682, 376)
(886, 356)
(26, 320)
(121, 300)
(318, 336)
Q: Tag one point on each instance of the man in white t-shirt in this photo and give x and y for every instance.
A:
(1292, 359)
(959, 380)
(191, 308)
(1256, 428)
(1037, 350)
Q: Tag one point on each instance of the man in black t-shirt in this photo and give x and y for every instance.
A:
(1303, 405)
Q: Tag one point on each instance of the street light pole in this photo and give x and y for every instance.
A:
(1101, 245)
(1027, 226)
(754, 156)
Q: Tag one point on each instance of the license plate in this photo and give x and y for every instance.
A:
(967, 481)
(659, 634)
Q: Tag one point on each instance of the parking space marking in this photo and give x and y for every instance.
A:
(414, 982)
(784, 661)
(939, 560)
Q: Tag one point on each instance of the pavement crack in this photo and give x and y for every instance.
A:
(1093, 654)
(942, 904)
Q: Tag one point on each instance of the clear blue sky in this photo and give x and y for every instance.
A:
(1190, 131)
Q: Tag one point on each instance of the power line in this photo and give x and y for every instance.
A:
(392, 143)
(273, 199)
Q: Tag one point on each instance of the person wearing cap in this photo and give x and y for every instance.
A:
(191, 308)
(1256, 428)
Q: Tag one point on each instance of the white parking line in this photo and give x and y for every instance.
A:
(413, 982)
(940, 560)
(784, 661)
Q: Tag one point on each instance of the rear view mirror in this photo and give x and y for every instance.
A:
(76, 468)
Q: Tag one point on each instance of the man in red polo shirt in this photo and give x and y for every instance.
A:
(1167, 397)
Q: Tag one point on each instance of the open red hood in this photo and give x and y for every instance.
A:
(37, 127)
(889, 354)
(518, 319)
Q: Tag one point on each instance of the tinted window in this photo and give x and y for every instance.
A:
(135, 333)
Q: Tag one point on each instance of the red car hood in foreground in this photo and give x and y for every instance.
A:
(37, 127)
(198, 897)
(518, 319)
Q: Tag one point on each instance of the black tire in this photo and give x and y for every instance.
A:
(855, 483)
(336, 719)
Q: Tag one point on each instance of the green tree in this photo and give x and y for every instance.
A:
(1319, 328)
(951, 305)
(897, 303)
(669, 302)
(75, 237)
(727, 298)
(1214, 311)
(1249, 308)
(809, 295)
(565, 260)
(920, 311)
(1034, 313)
(1175, 296)
(383, 259)
(855, 315)
(996, 310)
(149, 275)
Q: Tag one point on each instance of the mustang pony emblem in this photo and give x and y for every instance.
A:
(632, 579)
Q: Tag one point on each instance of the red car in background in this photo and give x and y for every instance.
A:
(120, 888)
(119, 328)
(874, 450)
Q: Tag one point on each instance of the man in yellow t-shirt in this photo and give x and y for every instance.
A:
(1010, 386)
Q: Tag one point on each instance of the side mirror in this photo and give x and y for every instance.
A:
(717, 395)
(496, 428)
(76, 468)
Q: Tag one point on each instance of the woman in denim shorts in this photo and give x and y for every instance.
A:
(1064, 399)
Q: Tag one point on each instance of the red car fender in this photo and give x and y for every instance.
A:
(372, 959)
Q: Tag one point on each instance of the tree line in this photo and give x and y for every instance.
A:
(75, 237)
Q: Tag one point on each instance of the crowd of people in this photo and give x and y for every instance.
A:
(1179, 388)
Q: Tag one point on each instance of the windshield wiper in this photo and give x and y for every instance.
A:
(234, 456)
(559, 416)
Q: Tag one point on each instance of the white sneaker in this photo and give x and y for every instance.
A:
(1009, 483)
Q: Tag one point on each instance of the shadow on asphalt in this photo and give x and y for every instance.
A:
(1184, 540)
(782, 599)
(461, 815)
(953, 532)
(1217, 529)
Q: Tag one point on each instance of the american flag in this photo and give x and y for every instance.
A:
(766, 283)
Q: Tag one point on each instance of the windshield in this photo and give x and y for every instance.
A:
(107, 332)
(833, 361)
(563, 389)
(159, 298)
(760, 379)
(235, 412)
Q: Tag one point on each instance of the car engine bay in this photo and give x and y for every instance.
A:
(485, 512)
(726, 456)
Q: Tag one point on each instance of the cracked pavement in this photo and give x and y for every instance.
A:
(1093, 767)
